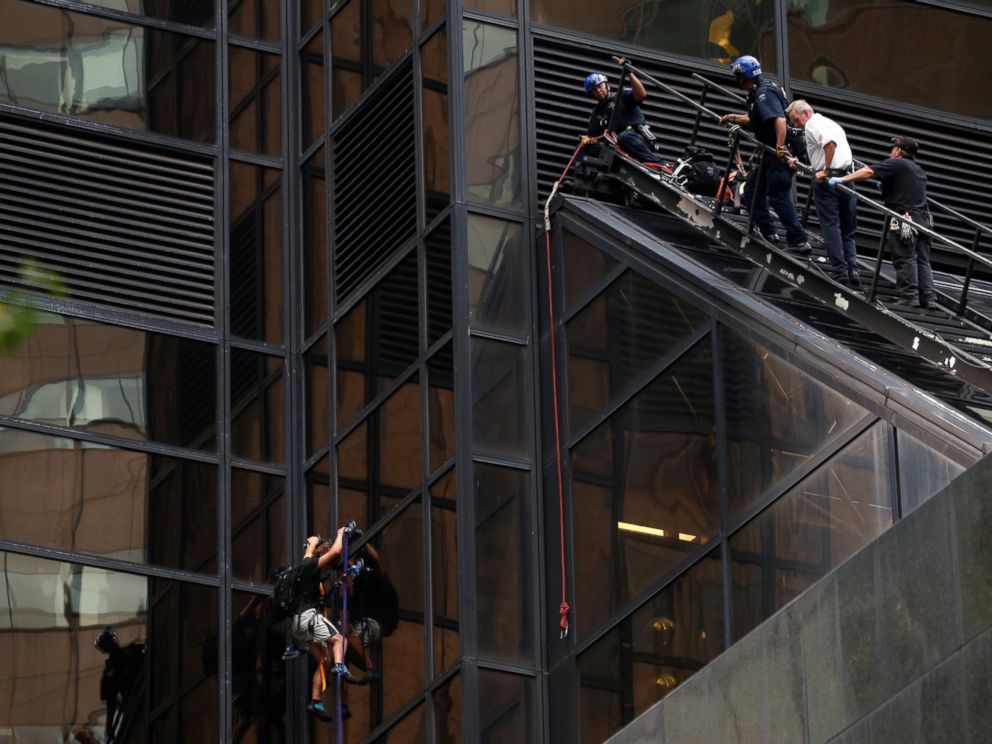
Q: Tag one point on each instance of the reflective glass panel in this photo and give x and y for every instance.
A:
(492, 115)
(448, 711)
(839, 44)
(256, 266)
(652, 651)
(501, 414)
(439, 298)
(392, 30)
(113, 380)
(923, 472)
(319, 500)
(444, 570)
(500, 7)
(256, 112)
(257, 406)
(133, 506)
(312, 122)
(841, 507)
(377, 340)
(720, 30)
(258, 520)
(584, 267)
(434, 99)
(311, 13)
(258, 673)
(618, 338)
(347, 82)
(504, 567)
(441, 406)
(506, 708)
(318, 414)
(88, 652)
(180, 11)
(498, 276)
(430, 11)
(645, 488)
(256, 19)
(314, 242)
(107, 71)
(778, 417)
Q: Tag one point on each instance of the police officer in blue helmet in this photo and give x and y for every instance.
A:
(633, 134)
(771, 183)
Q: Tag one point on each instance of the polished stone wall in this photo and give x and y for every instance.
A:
(895, 645)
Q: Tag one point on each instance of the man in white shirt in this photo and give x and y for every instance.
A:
(830, 155)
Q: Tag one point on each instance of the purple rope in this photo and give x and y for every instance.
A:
(344, 636)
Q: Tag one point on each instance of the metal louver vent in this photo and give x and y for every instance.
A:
(375, 181)
(958, 160)
(125, 226)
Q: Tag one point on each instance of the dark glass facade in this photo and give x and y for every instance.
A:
(375, 345)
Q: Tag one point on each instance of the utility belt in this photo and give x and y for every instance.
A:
(644, 130)
(840, 171)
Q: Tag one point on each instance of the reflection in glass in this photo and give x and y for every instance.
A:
(179, 11)
(720, 30)
(318, 414)
(75, 495)
(346, 63)
(257, 406)
(256, 269)
(778, 417)
(430, 11)
(312, 91)
(652, 651)
(377, 340)
(448, 711)
(256, 113)
(492, 115)
(584, 266)
(500, 7)
(392, 30)
(645, 488)
(441, 406)
(618, 338)
(501, 415)
(444, 570)
(86, 650)
(841, 507)
(503, 565)
(113, 380)
(318, 479)
(434, 99)
(923, 472)
(258, 673)
(107, 71)
(506, 708)
(257, 525)
(439, 298)
(837, 44)
(256, 19)
(311, 13)
(498, 286)
(314, 243)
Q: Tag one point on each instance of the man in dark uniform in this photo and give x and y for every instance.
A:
(771, 182)
(904, 190)
(628, 118)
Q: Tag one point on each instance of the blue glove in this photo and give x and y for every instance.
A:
(833, 181)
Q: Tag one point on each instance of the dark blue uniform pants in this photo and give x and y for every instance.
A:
(838, 214)
(911, 258)
(635, 145)
(775, 188)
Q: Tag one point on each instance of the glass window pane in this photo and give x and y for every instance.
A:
(257, 406)
(147, 640)
(319, 501)
(256, 265)
(441, 406)
(113, 380)
(179, 11)
(444, 570)
(492, 115)
(652, 651)
(256, 19)
(836, 44)
(312, 90)
(506, 708)
(923, 472)
(434, 99)
(392, 30)
(778, 417)
(500, 7)
(618, 338)
(501, 415)
(107, 71)
(378, 339)
(584, 266)
(448, 711)
(841, 507)
(430, 11)
(645, 489)
(314, 242)
(258, 520)
(258, 674)
(503, 569)
(347, 82)
(318, 413)
(133, 506)
(498, 276)
(311, 13)
(719, 31)
(256, 111)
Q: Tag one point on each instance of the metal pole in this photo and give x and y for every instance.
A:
(878, 262)
(963, 302)
(699, 115)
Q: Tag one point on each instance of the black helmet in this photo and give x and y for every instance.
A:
(107, 640)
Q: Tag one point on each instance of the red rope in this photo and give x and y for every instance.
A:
(563, 609)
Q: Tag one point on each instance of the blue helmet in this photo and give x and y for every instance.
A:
(593, 80)
(746, 67)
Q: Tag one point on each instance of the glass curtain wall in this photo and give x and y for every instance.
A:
(709, 479)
